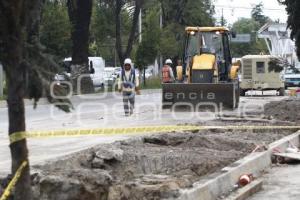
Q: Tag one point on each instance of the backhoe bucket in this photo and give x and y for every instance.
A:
(200, 95)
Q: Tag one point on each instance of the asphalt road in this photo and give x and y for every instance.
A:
(95, 111)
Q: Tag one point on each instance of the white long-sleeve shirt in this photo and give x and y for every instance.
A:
(127, 75)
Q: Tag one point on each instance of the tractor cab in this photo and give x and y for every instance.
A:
(207, 56)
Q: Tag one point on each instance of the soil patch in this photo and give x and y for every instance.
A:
(286, 110)
(151, 167)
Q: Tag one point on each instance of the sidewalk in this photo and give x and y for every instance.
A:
(281, 183)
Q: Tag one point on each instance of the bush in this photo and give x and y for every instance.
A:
(152, 83)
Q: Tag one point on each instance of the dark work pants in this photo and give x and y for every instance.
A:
(128, 100)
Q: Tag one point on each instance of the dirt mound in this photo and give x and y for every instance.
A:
(152, 167)
(285, 110)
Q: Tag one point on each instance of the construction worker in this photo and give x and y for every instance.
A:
(167, 72)
(128, 84)
(179, 71)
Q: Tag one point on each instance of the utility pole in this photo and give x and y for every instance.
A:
(1, 80)
(161, 27)
(222, 18)
(140, 26)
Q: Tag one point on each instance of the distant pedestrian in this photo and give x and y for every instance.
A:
(167, 72)
(128, 83)
(179, 72)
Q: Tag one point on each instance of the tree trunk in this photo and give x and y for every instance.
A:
(16, 111)
(118, 10)
(80, 16)
(34, 21)
(17, 20)
(123, 55)
(144, 71)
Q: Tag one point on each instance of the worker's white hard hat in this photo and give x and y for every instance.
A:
(128, 62)
(169, 61)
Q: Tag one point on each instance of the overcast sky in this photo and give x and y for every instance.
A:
(234, 9)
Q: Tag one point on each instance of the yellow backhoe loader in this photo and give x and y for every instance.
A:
(210, 77)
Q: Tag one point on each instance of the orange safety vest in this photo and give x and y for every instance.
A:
(166, 77)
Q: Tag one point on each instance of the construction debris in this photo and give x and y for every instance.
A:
(150, 167)
(292, 153)
(286, 110)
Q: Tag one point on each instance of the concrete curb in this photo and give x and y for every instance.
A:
(223, 184)
(247, 191)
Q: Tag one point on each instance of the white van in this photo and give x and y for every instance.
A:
(255, 75)
(98, 65)
(110, 76)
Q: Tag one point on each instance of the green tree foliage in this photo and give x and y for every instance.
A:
(102, 39)
(188, 12)
(293, 10)
(250, 26)
(55, 28)
(247, 26)
(171, 41)
(147, 50)
(278, 64)
(114, 22)
(176, 16)
(257, 14)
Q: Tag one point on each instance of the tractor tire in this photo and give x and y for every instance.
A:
(281, 92)
(242, 92)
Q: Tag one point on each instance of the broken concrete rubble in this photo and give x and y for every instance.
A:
(110, 154)
(104, 157)
(150, 167)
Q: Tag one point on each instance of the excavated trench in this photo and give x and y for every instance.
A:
(151, 167)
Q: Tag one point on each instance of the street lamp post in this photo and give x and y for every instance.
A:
(1, 80)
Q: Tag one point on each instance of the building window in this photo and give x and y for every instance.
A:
(260, 67)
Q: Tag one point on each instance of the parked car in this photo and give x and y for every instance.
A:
(117, 71)
(149, 73)
(110, 76)
(292, 78)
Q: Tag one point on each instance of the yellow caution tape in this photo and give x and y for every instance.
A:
(15, 137)
(13, 182)
(18, 136)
